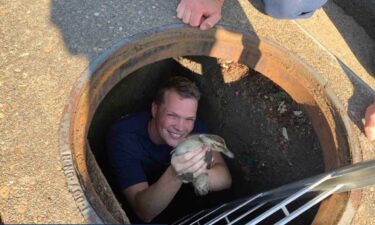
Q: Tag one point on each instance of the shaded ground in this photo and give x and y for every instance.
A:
(273, 140)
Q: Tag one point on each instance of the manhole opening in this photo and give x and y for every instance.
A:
(270, 134)
(83, 113)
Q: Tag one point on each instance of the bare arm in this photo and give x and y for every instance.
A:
(148, 201)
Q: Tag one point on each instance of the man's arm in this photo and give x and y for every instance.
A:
(200, 13)
(148, 201)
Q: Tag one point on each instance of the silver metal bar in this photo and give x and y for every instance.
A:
(350, 177)
(354, 176)
(287, 201)
(230, 211)
(285, 210)
(308, 205)
(248, 212)
(183, 221)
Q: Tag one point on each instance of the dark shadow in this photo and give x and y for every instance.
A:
(258, 4)
(365, 18)
(242, 105)
(361, 98)
(236, 109)
(90, 27)
(363, 13)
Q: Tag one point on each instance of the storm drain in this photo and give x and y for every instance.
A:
(274, 111)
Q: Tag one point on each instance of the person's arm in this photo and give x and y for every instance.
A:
(148, 201)
(200, 13)
(370, 122)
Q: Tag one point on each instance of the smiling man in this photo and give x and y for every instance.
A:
(139, 148)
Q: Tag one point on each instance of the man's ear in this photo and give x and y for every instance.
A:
(154, 109)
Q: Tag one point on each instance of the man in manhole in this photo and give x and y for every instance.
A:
(139, 148)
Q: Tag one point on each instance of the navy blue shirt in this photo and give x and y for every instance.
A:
(133, 156)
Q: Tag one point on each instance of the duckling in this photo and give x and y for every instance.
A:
(193, 143)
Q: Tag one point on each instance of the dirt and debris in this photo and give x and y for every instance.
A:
(272, 138)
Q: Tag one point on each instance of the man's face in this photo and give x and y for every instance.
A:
(174, 117)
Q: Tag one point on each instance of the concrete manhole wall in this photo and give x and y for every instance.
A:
(86, 182)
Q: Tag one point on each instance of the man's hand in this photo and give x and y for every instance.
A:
(370, 122)
(200, 13)
(190, 163)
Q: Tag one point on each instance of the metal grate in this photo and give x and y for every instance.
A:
(252, 210)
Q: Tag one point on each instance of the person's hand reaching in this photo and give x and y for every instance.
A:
(200, 13)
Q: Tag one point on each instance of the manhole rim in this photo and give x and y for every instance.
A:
(78, 179)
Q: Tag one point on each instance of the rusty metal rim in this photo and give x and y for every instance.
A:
(302, 83)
